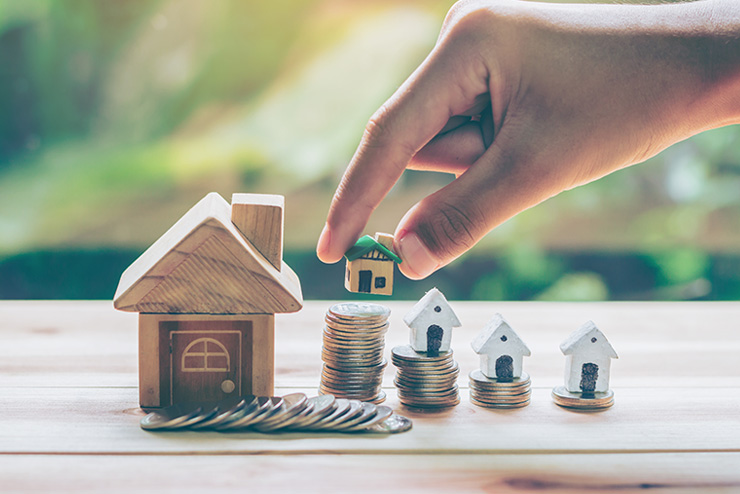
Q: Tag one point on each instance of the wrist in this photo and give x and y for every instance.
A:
(722, 61)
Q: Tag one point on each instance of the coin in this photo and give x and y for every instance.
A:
(353, 410)
(381, 413)
(352, 310)
(499, 405)
(406, 353)
(245, 416)
(352, 350)
(321, 406)
(495, 399)
(223, 410)
(423, 381)
(291, 406)
(481, 378)
(392, 425)
(581, 401)
(170, 418)
(367, 412)
(341, 407)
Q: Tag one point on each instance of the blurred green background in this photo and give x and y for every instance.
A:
(116, 116)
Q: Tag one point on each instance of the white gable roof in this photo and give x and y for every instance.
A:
(587, 337)
(489, 340)
(433, 298)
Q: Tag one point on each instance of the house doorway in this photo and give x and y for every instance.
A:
(365, 282)
(205, 366)
(434, 340)
(589, 376)
(505, 367)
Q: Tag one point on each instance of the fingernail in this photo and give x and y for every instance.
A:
(416, 257)
(322, 248)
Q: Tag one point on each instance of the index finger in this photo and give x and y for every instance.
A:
(415, 113)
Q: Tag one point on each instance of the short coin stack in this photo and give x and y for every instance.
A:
(354, 341)
(294, 412)
(589, 402)
(424, 381)
(491, 392)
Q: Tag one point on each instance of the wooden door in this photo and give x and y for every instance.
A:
(205, 366)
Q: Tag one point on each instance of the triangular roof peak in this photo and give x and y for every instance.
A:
(366, 244)
(589, 337)
(498, 333)
(432, 299)
(204, 265)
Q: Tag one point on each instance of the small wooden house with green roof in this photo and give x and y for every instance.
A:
(370, 265)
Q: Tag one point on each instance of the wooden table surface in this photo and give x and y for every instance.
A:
(69, 411)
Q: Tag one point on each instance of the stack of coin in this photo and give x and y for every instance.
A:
(491, 392)
(294, 412)
(590, 402)
(424, 381)
(354, 341)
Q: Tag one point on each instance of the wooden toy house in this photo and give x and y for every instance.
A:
(370, 264)
(588, 358)
(207, 292)
(501, 350)
(431, 321)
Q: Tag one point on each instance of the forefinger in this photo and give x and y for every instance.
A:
(417, 111)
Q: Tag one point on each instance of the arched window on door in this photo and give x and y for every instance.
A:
(205, 355)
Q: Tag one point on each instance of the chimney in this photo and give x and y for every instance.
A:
(259, 217)
(385, 239)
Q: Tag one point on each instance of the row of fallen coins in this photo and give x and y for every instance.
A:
(354, 341)
(423, 381)
(583, 401)
(294, 412)
(499, 393)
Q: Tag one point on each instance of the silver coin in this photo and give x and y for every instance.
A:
(381, 413)
(392, 425)
(295, 404)
(499, 405)
(170, 418)
(244, 417)
(479, 377)
(224, 409)
(354, 408)
(291, 406)
(341, 407)
(406, 353)
(277, 407)
(353, 310)
(323, 405)
(367, 412)
(594, 401)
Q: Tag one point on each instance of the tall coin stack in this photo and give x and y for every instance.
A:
(423, 381)
(499, 393)
(353, 351)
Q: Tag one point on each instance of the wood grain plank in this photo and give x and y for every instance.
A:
(105, 420)
(660, 344)
(708, 473)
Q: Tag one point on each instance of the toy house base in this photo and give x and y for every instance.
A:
(201, 357)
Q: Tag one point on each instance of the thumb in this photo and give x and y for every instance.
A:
(446, 224)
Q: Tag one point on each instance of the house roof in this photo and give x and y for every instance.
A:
(588, 337)
(204, 265)
(366, 244)
(425, 307)
(489, 339)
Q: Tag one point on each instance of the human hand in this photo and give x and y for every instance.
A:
(523, 100)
